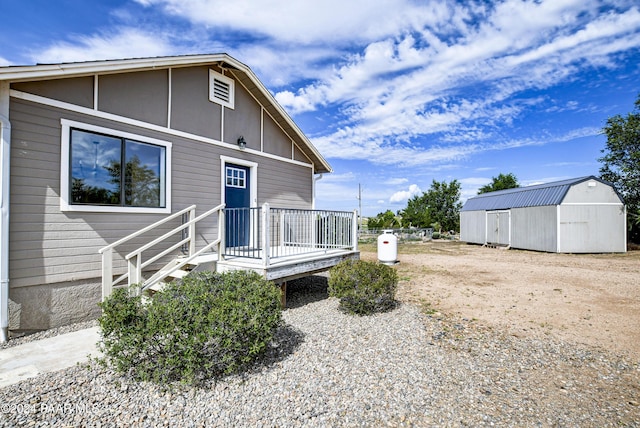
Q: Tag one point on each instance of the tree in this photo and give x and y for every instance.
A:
(440, 204)
(621, 162)
(385, 220)
(416, 214)
(500, 182)
(444, 204)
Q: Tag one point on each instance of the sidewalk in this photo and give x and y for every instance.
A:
(46, 355)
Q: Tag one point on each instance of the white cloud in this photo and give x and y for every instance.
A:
(404, 195)
(122, 43)
(396, 181)
(4, 62)
(308, 22)
(399, 89)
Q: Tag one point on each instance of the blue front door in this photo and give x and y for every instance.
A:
(237, 194)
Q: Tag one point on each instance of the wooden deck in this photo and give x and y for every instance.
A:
(289, 267)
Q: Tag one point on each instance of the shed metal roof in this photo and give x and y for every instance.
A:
(531, 196)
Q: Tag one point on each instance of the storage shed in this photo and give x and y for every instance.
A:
(580, 215)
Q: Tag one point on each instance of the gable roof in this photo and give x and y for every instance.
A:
(241, 71)
(530, 196)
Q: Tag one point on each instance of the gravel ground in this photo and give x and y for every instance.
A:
(408, 367)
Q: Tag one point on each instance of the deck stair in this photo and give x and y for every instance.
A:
(157, 282)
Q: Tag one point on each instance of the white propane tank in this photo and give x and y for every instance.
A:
(388, 248)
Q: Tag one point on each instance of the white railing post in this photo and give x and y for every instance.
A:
(354, 229)
(222, 235)
(107, 273)
(135, 272)
(266, 226)
(314, 230)
(192, 232)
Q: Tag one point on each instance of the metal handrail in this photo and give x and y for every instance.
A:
(146, 229)
(135, 263)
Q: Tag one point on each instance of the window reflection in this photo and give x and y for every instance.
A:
(97, 175)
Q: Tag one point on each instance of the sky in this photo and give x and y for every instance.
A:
(393, 93)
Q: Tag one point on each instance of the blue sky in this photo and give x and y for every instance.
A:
(394, 93)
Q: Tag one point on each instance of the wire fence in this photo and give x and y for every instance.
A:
(403, 235)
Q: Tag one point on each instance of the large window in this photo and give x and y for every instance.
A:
(116, 172)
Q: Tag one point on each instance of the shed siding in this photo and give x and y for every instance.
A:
(534, 228)
(592, 228)
(584, 193)
(472, 227)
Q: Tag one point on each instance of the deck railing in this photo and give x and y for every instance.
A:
(267, 233)
(259, 233)
(183, 236)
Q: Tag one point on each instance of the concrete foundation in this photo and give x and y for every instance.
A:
(42, 307)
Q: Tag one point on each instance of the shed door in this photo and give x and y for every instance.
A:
(237, 196)
(499, 227)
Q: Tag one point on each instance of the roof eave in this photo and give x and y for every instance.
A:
(78, 69)
(75, 69)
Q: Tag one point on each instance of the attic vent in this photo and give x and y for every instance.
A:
(221, 89)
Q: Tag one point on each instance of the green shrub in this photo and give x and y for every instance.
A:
(435, 235)
(206, 326)
(363, 287)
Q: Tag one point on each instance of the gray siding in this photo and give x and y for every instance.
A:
(76, 90)
(592, 229)
(534, 228)
(472, 227)
(591, 191)
(275, 140)
(191, 110)
(142, 95)
(49, 246)
(244, 120)
(284, 188)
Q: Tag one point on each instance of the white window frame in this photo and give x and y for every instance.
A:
(241, 177)
(213, 76)
(65, 170)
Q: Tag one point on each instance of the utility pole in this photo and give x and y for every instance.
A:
(359, 208)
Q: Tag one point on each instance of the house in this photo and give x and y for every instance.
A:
(103, 162)
(580, 215)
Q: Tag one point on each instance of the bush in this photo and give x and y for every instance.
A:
(206, 326)
(363, 287)
(435, 235)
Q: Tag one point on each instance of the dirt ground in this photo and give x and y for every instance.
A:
(591, 299)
